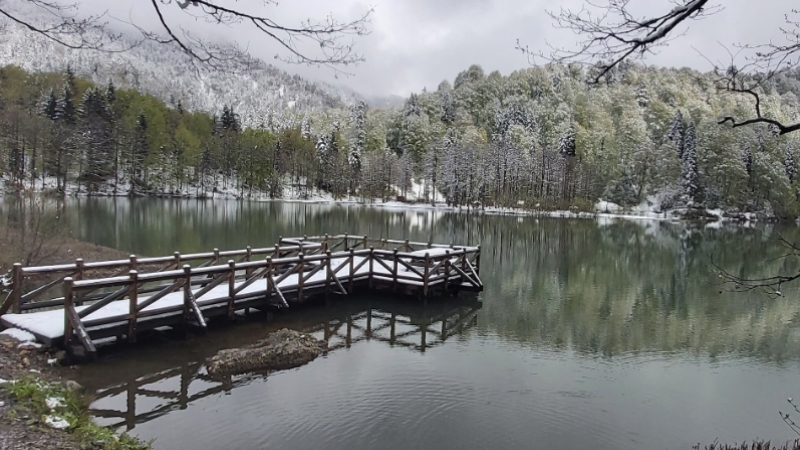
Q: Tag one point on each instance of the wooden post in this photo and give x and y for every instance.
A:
(426, 274)
(352, 268)
(365, 242)
(248, 271)
(16, 288)
(478, 262)
(300, 269)
(325, 244)
(371, 265)
(187, 291)
(394, 271)
(216, 257)
(133, 305)
(134, 264)
(68, 304)
(277, 251)
(231, 287)
(446, 272)
(78, 276)
(268, 276)
(328, 273)
(345, 242)
(408, 247)
(78, 269)
(177, 256)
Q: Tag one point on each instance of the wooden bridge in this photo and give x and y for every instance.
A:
(118, 299)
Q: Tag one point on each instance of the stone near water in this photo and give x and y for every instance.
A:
(283, 349)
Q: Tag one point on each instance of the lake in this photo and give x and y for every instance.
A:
(603, 334)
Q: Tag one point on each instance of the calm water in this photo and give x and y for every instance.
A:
(603, 335)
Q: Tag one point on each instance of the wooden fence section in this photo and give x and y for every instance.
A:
(178, 387)
(148, 293)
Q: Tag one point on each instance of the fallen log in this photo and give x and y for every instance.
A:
(283, 349)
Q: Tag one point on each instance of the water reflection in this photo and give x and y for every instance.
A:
(128, 395)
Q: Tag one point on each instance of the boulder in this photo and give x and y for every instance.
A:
(283, 349)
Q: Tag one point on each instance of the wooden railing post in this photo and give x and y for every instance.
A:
(16, 288)
(394, 271)
(177, 256)
(268, 276)
(68, 304)
(216, 257)
(365, 242)
(231, 287)
(328, 273)
(300, 269)
(408, 247)
(345, 242)
(426, 275)
(133, 305)
(478, 262)
(78, 276)
(277, 251)
(352, 269)
(248, 255)
(134, 264)
(371, 265)
(78, 269)
(446, 272)
(187, 291)
(325, 244)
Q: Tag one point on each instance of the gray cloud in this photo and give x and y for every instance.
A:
(418, 43)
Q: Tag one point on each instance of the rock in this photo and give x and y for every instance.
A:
(62, 357)
(71, 385)
(26, 362)
(283, 349)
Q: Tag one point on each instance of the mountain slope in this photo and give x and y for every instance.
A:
(165, 72)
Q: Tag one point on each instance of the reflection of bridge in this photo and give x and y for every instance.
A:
(415, 328)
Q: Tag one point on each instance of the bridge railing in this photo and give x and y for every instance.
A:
(38, 287)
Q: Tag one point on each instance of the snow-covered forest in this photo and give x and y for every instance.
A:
(537, 138)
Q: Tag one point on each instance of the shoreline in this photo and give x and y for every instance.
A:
(41, 408)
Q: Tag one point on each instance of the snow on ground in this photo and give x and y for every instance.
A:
(20, 335)
(294, 190)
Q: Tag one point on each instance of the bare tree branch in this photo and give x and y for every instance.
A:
(611, 34)
(328, 43)
(770, 285)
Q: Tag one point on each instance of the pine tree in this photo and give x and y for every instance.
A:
(566, 142)
(358, 138)
(139, 152)
(448, 109)
(675, 133)
(690, 180)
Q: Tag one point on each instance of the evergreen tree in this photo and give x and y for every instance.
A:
(448, 109)
(358, 138)
(675, 133)
(690, 180)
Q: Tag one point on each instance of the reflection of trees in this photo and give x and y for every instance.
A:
(601, 288)
(630, 287)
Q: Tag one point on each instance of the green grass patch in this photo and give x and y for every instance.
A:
(36, 398)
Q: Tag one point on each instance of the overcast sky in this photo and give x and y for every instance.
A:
(418, 43)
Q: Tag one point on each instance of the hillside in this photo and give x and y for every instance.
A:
(163, 71)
